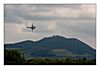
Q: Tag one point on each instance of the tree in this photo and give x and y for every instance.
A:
(13, 57)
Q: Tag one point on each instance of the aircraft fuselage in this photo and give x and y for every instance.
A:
(32, 27)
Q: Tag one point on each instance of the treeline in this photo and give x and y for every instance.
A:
(15, 57)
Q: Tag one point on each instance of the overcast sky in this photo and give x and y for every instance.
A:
(70, 21)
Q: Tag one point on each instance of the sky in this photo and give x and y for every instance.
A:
(68, 20)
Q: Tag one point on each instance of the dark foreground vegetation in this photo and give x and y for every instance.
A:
(15, 57)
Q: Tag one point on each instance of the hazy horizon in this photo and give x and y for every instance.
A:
(67, 20)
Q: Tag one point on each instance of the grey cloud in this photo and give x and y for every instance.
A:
(13, 19)
(41, 27)
(73, 6)
(18, 13)
(10, 15)
(79, 26)
(47, 18)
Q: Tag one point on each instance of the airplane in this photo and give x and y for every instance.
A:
(32, 27)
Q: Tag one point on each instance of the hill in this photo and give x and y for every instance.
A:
(54, 47)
